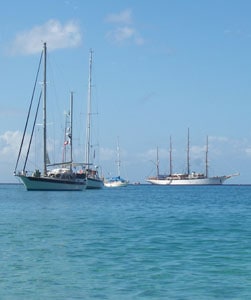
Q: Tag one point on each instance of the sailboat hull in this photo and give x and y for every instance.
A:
(94, 183)
(116, 182)
(218, 180)
(51, 184)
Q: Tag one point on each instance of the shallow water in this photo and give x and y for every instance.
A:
(136, 242)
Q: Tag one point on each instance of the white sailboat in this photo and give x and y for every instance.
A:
(117, 181)
(61, 178)
(188, 178)
(94, 181)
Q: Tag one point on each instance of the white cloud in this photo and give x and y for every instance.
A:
(125, 31)
(248, 151)
(9, 144)
(124, 17)
(52, 32)
(121, 34)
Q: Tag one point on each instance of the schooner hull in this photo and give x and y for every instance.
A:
(219, 180)
(159, 181)
(51, 184)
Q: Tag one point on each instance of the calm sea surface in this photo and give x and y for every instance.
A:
(137, 242)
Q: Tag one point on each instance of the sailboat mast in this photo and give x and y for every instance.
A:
(71, 126)
(170, 157)
(88, 127)
(44, 112)
(207, 158)
(65, 140)
(157, 163)
(188, 153)
(118, 158)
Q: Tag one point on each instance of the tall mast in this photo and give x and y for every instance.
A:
(170, 157)
(44, 112)
(118, 158)
(157, 163)
(188, 153)
(207, 157)
(71, 126)
(65, 136)
(88, 126)
(68, 132)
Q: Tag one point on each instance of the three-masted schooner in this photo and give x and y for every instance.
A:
(188, 178)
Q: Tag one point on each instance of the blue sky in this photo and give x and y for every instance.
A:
(159, 68)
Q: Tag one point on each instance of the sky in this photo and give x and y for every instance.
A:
(159, 68)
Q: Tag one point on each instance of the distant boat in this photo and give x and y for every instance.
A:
(94, 181)
(61, 178)
(117, 181)
(188, 178)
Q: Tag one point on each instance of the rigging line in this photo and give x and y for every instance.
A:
(28, 116)
(34, 123)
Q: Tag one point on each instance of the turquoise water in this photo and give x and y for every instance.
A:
(137, 242)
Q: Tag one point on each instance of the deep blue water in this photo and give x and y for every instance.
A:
(137, 242)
